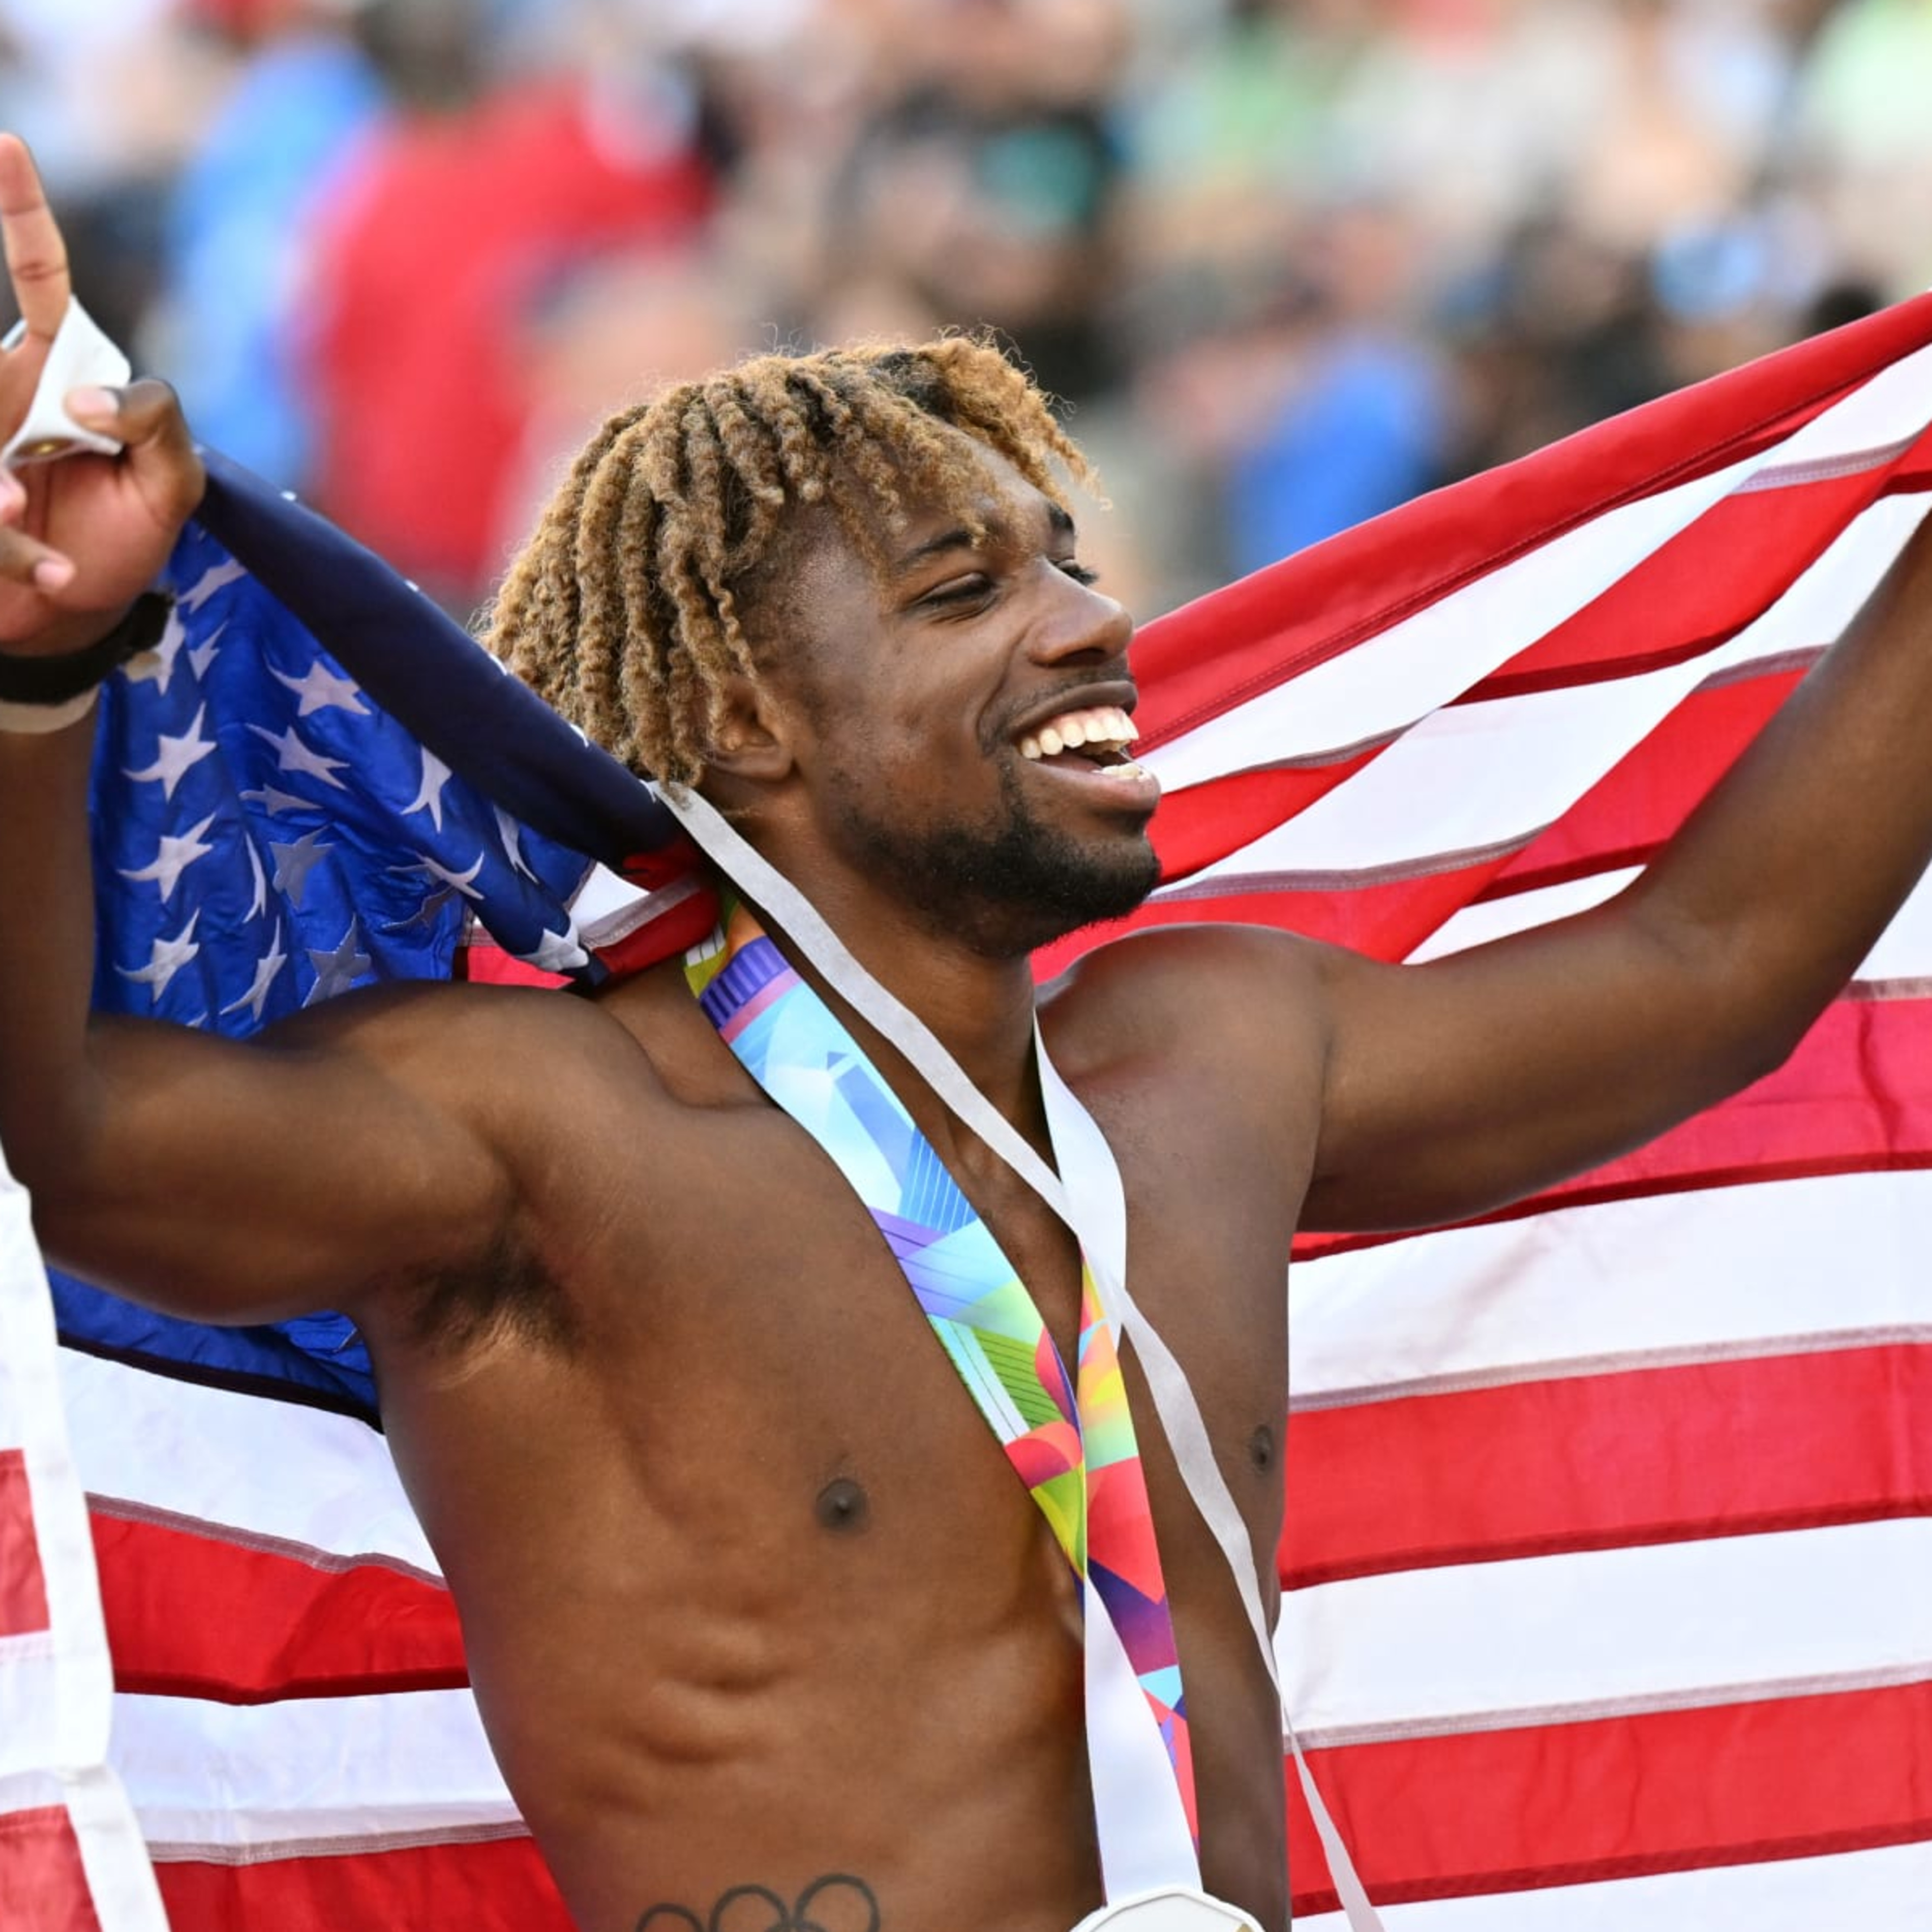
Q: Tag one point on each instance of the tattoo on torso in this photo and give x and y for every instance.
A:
(836, 1902)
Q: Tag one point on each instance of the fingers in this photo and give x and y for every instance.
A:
(36, 254)
(146, 417)
(25, 559)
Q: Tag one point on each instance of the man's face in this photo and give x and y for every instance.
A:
(928, 704)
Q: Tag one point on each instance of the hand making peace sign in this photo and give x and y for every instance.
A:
(80, 537)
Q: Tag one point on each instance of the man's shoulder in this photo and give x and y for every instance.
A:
(1184, 961)
(1197, 989)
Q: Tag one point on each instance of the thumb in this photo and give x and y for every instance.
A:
(146, 417)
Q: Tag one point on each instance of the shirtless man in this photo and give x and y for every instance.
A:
(631, 1329)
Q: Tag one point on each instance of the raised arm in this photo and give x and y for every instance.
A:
(1454, 1087)
(228, 1181)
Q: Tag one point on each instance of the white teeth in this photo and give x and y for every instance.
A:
(1105, 726)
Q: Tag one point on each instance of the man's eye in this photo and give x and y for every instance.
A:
(1079, 572)
(958, 590)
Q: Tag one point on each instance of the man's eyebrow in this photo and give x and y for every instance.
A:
(1059, 520)
(958, 538)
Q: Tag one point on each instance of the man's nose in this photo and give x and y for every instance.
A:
(1081, 625)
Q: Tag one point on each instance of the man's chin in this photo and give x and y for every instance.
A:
(1056, 892)
(1007, 887)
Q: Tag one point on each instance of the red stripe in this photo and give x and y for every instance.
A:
(288, 1629)
(1205, 823)
(1856, 1097)
(1643, 798)
(1212, 655)
(1702, 588)
(23, 1594)
(1384, 915)
(1669, 1455)
(43, 1887)
(500, 1886)
(1569, 1804)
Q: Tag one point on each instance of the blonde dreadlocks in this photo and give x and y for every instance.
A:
(623, 609)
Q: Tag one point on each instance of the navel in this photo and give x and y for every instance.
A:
(842, 1505)
(1260, 1449)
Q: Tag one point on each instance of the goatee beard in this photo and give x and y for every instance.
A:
(1007, 888)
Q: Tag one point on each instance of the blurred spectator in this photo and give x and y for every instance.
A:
(456, 216)
(985, 188)
(303, 90)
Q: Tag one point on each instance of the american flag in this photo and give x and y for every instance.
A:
(1608, 1576)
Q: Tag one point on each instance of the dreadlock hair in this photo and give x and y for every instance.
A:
(623, 610)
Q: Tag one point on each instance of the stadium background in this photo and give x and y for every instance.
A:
(1288, 261)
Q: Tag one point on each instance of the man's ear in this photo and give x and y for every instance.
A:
(752, 740)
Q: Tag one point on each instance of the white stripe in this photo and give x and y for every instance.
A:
(58, 1705)
(1427, 659)
(1693, 1275)
(1520, 912)
(1474, 775)
(234, 1459)
(206, 1776)
(1597, 1632)
(1903, 950)
(1888, 1890)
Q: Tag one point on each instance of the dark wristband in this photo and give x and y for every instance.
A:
(30, 680)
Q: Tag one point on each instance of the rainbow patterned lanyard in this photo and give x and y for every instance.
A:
(1070, 1440)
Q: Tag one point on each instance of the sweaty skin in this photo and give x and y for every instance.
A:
(752, 1598)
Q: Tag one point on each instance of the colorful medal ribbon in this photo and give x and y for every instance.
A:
(1070, 1440)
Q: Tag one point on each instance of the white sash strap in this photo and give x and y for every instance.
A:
(1098, 1220)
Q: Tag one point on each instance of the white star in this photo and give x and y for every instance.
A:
(168, 957)
(429, 794)
(426, 914)
(293, 863)
(201, 656)
(271, 963)
(157, 665)
(336, 972)
(463, 882)
(273, 801)
(295, 755)
(321, 689)
(176, 757)
(259, 903)
(216, 577)
(556, 952)
(512, 834)
(178, 851)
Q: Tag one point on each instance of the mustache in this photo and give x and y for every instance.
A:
(1076, 696)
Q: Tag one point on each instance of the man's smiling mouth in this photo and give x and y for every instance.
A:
(1097, 736)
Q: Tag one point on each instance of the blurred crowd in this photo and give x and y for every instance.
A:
(1287, 262)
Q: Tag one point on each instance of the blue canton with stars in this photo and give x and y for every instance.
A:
(268, 833)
